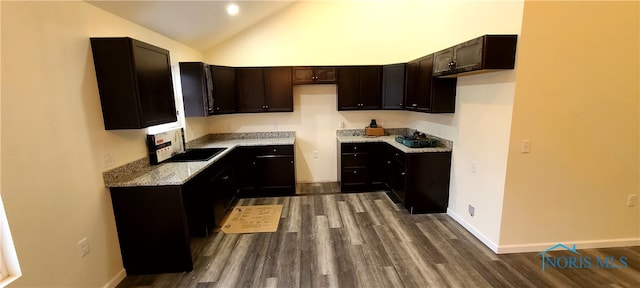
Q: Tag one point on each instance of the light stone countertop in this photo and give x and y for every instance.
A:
(445, 145)
(178, 173)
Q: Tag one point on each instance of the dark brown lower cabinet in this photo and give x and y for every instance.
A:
(265, 171)
(359, 166)
(155, 223)
(426, 182)
(208, 196)
(420, 181)
(152, 229)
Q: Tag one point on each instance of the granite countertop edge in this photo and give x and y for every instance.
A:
(178, 173)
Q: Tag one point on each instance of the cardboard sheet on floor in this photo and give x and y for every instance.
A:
(253, 219)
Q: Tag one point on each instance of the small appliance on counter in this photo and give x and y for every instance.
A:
(373, 129)
(417, 140)
(163, 146)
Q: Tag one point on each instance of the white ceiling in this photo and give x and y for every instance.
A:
(198, 24)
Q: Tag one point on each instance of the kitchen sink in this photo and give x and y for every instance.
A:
(198, 154)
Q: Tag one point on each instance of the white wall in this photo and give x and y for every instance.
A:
(53, 140)
(385, 32)
(480, 133)
(315, 121)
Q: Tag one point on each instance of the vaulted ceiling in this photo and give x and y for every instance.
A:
(198, 24)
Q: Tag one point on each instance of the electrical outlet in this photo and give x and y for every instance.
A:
(83, 244)
(315, 154)
(474, 167)
(632, 200)
(341, 124)
(472, 210)
(526, 146)
(108, 160)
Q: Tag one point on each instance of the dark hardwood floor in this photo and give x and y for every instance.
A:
(365, 240)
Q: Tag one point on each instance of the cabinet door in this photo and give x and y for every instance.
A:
(425, 72)
(411, 93)
(324, 75)
(393, 84)
(223, 194)
(155, 85)
(224, 89)
(245, 169)
(371, 87)
(427, 182)
(348, 88)
(250, 84)
(443, 62)
(303, 75)
(468, 55)
(419, 77)
(278, 89)
(398, 173)
(152, 229)
(195, 79)
(276, 171)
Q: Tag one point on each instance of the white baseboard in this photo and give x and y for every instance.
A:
(484, 239)
(538, 247)
(116, 279)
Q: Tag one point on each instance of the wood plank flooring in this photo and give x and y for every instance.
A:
(365, 240)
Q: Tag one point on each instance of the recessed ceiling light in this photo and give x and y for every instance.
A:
(232, 9)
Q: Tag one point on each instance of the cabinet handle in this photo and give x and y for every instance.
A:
(225, 178)
(355, 148)
(403, 173)
(397, 154)
(355, 172)
(267, 106)
(388, 162)
(218, 108)
(274, 150)
(291, 161)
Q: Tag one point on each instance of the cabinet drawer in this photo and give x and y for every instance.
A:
(355, 148)
(354, 175)
(354, 159)
(275, 150)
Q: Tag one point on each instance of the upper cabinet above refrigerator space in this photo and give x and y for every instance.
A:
(480, 55)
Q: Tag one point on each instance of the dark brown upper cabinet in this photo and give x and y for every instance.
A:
(393, 82)
(359, 87)
(424, 93)
(224, 89)
(264, 89)
(197, 89)
(207, 89)
(483, 54)
(134, 81)
(314, 75)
